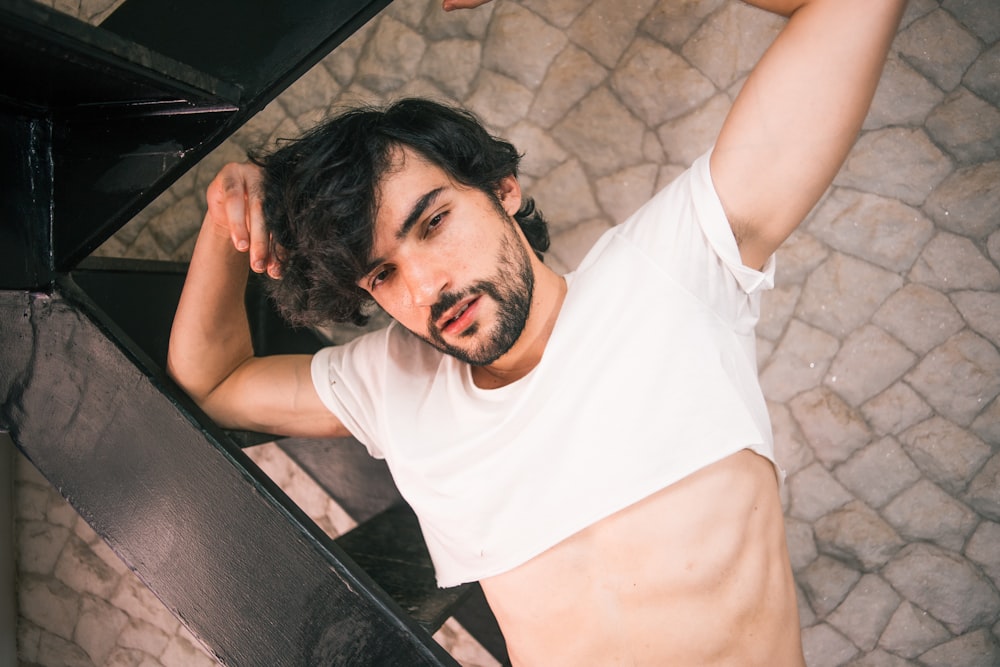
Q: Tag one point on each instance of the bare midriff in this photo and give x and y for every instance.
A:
(696, 574)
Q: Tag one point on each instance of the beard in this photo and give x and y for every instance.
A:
(512, 289)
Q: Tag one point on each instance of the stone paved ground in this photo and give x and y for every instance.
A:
(878, 349)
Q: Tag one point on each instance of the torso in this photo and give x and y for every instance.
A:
(696, 574)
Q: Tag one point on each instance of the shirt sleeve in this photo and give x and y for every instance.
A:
(348, 379)
(684, 230)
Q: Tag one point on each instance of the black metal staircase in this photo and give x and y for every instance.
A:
(95, 122)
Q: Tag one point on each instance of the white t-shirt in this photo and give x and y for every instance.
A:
(649, 375)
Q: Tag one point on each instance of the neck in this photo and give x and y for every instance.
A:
(521, 359)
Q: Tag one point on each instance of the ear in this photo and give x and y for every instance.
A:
(509, 193)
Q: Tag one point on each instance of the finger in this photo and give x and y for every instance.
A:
(227, 204)
(261, 255)
(450, 5)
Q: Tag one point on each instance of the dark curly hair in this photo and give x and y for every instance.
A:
(319, 197)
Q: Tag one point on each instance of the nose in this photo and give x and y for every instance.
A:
(426, 279)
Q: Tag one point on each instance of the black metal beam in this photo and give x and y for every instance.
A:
(223, 547)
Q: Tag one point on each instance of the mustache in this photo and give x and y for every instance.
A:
(447, 300)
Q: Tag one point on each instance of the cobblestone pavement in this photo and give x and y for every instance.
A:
(878, 349)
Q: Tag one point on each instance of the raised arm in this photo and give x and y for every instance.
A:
(798, 114)
(211, 355)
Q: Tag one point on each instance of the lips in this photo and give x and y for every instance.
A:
(457, 319)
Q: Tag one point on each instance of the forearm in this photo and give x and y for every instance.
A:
(210, 337)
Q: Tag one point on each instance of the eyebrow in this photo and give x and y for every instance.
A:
(416, 212)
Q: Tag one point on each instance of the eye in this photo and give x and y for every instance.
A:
(379, 277)
(434, 223)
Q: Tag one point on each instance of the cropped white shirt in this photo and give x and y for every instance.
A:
(649, 375)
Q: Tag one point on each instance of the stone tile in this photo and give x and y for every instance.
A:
(951, 262)
(410, 12)
(919, 44)
(622, 193)
(798, 256)
(790, 447)
(980, 17)
(310, 93)
(878, 473)
(560, 13)
(97, 628)
(903, 97)
(540, 152)
(814, 492)
(807, 617)
(28, 638)
(39, 545)
(844, 292)
(146, 637)
(945, 585)
(801, 543)
(987, 424)
(687, 138)
(672, 22)
(572, 245)
(966, 126)
(947, 454)
(878, 658)
(856, 535)
(648, 68)
(959, 378)
(863, 615)
(984, 490)
(183, 651)
(498, 100)
(606, 28)
(32, 502)
(777, 307)
(832, 428)
(572, 75)
(602, 133)
(912, 631)
(125, 657)
(983, 548)
(852, 375)
(980, 310)
(798, 363)
(983, 78)
(138, 602)
(975, 649)
(895, 409)
(54, 650)
(825, 647)
(452, 64)
(921, 317)
(826, 582)
(461, 646)
(48, 604)
(58, 512)
(521, 45)
(993, 246)
(730, 42)
(925, 512)
(566, 190)
(897, 162)
(967, 201)
(876, 229)
(391, 57)
(82, 570)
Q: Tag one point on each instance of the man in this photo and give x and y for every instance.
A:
(593, 448)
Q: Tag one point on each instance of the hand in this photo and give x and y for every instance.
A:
(449, 5)
(235, 205)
